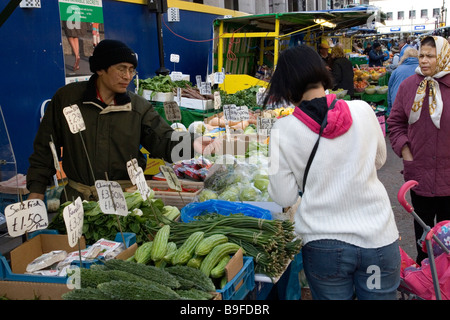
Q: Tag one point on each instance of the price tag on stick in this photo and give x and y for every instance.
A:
(141, 184)
(171, 178)
(132, 166)
(172, 111)
(73, 218)
(111, 198)
(217, 100)
(137, 177)
(26, 216)
(74, 118)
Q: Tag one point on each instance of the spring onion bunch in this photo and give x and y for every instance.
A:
(271, 243)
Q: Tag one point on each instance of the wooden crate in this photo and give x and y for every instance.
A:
(172, 197)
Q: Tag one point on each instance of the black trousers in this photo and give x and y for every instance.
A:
(430, 210)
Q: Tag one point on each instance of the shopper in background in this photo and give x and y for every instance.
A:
(406, 68)
(342, 71)
(117, 123)
(367, 49)
(395, 58)
(345, 218)
(419, 125)
(403, 45)
(324, 51)
(376, 56)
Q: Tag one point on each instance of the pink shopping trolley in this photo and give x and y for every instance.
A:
(430, 280)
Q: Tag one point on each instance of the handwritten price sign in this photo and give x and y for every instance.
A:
(111, 197)
(172, 111)
(26, 216)
(74, 118)
(137, 177)
(73, 218)
(171, 178)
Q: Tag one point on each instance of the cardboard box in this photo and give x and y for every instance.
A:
(17, 285)
(21, 290)
(37, 246)
(197, 104)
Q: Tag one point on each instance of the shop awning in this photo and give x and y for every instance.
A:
(291, 21)
(280, 26)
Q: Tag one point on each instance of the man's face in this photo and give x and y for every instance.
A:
(117, 77)
(323, 51)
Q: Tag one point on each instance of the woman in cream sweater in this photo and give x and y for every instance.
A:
(345, 217)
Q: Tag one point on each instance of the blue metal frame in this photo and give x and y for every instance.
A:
(32, 63)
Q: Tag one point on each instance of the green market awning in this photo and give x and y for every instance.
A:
(281, 26)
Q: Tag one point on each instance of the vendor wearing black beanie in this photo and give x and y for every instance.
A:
(110, 52)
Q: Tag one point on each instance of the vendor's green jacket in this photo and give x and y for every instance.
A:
(113, 136)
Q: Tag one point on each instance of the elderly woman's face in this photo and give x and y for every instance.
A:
(428, 60)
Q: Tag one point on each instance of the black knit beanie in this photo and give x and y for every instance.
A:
(110, 52)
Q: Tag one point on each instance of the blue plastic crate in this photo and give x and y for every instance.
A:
(246, 276)
(6, 273)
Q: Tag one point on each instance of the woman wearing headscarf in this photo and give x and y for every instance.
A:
(345, 218)
(419, 125)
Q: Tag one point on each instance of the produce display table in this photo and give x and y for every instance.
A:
(380, 99)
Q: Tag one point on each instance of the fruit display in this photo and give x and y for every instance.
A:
(371, 89)
(360, 85)
(382, 89)
(376, 73)
(360, 74)
(340, 93)
(368, 73)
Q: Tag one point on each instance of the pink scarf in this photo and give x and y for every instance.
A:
(339, 119)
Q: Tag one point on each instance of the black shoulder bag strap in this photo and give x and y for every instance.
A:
(313, 152)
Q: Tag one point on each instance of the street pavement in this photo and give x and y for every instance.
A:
(390, 175)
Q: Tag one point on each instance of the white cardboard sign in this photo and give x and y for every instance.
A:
(73, 218)
(74, 118)
(171, 178)
(111, 197)
(26, 216)
(137, 177)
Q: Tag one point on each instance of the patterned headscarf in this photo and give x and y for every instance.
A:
(435, 97)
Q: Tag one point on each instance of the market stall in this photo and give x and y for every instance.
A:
(371, 84)
(163, 245)
(250, 45)
(200, 229)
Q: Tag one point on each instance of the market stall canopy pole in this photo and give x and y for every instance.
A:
(10, 7)
(160, 7)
